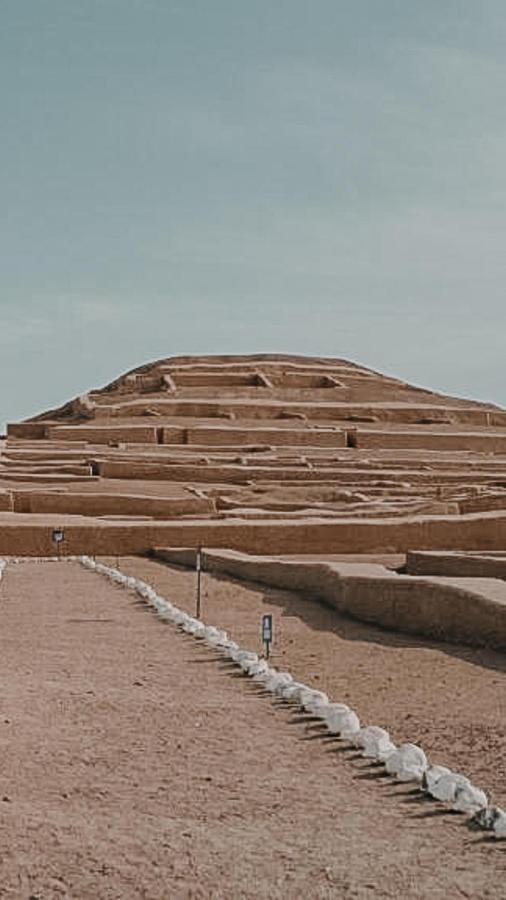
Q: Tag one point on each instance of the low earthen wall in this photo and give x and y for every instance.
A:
(178, 556)
(31, 430)
(172, 434)
(5, 501)
(140, 434)
(99, 504)
(199, 408)
(455, 565)
(34, 468)
(201, 473)
(431, 607)
(215, 436)
(482, 503)
(430, 440)
(240, 474)
(395, 413)
(215, 380)
(45, 478)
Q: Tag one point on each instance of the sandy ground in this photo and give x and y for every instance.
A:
(449, 698)
(137, 764)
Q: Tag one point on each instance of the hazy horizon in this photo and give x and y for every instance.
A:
(325, 179)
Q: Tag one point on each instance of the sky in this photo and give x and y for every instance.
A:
(301, 176)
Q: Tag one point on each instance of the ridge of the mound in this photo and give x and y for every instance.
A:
(278, 376)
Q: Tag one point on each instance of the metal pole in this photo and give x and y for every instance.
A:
(198, 563)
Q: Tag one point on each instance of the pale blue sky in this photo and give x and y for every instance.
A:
(180, 176)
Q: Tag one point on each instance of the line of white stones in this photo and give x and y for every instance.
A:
(406, 763)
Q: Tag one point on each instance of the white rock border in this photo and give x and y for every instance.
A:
(406, 763)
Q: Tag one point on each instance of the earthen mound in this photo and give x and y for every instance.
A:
(265, 453)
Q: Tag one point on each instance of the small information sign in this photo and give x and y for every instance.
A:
(58, 538)
(267, 633)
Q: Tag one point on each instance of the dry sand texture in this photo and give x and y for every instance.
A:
(137, 764)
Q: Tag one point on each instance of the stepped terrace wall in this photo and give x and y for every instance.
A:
(484, 502)
(478, 442)
(5, 501)
(103, 504)
(30, 535)
(140, 434)
(395, 412)
(240, 474)
(27, 430)
(211, 435)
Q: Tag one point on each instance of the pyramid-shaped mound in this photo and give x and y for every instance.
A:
(267, 441)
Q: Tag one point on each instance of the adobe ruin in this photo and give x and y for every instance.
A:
(317, 460)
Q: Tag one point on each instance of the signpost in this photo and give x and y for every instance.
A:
(198, 567)
(58, 538)
(267, 633)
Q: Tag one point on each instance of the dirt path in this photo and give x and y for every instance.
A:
(136, 764)
(449, 698)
